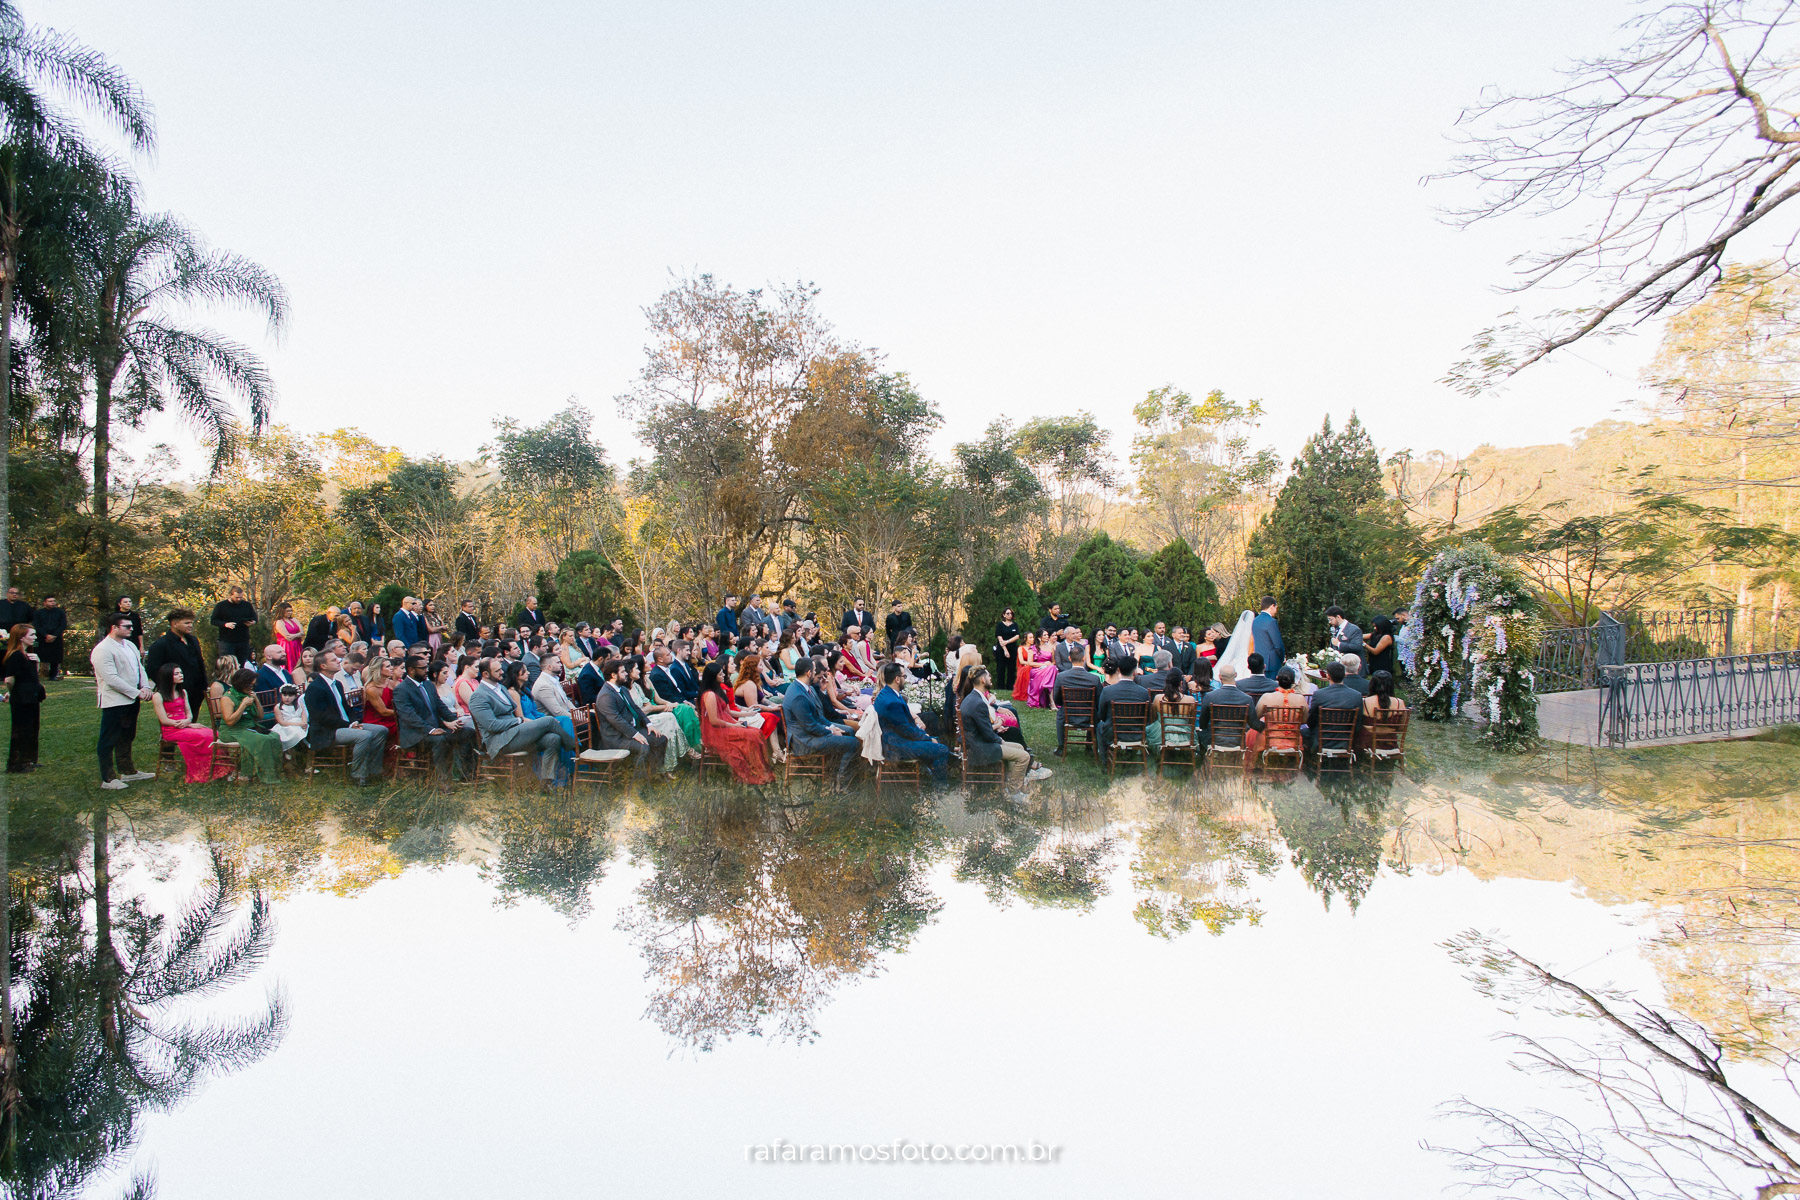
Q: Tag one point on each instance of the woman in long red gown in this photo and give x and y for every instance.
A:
(743, 747)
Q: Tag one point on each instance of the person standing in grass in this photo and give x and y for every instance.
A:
(121, 686)
(24, 695)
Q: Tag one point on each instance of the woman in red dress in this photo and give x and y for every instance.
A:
(743, 747)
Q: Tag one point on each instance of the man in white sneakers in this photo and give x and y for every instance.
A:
(121, 686)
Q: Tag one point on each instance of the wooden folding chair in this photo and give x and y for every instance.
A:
(1387, 734)
(1182, 727)
(504, 768)
(1281, 737)
(1078, 705)
(1336, 734)
(222, 751)
(1126, 733)
(803, 766)
(898, 772)
(415, 761)
(971, 775)
(1228, 727)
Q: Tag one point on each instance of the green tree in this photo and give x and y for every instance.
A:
(1076, 474)
(1188, 596)
(39, 144)
(555, 475)
(1333, 536)
(1196, 469)
(131, 276)
(586, 588)
(1104, 584)
(1001, 586)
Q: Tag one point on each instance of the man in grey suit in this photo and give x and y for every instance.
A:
(982, 746)
(808, 732)
(423, 716)
(1353, 676)
(1067, 638)
(622, 725)
(502, 732)
(1228, 694)
(1345, 637)
(1074, 677)
(1332, 695)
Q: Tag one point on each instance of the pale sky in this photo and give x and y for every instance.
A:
(1028, 207)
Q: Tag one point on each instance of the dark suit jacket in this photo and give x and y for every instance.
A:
(1359, 683)
(1228, 697)
(185, 653)
(416, 715)
(725, 620)
(468, 626)
(407, 627)
(619, 720)
(832, 712)
(269, 679)
(367, 629)
(588, 683)
(322, 717)
(1256, 685)
(1128, 691)
(981, 744)
(533, 617)
(1069, 680)
(668, 685)
(804, 718)
(1185, 655)
(866, 620)
(318, 632)
(15, 612)
(1333, 696)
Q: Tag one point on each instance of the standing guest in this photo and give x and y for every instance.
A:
(1345, 637)
(467, 623)
(529, 613)
(897, 619)
(423, 716)
(24, 695)
(753, 620)
(723, 731)
(808, 730)
(134, 625)
(14, 610)
(406, 624)
(1265, 632)
(725, 621)
(427, 625)
(1006, 651)
(318, 630)
(195, 741)
(790, 613)
(288, 633)
(368, 629)
(329, 723)
(1054, 622)
(1380, 646)
(180, 647)
(380, 625)
(860, 618)
(52, 625)
(903, 735)
(121, 686)
(240, 719)
(982, 744)
(235, 618)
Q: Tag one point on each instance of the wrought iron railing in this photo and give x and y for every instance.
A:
(1677, 634)
(1642, 702)
(1570, 659)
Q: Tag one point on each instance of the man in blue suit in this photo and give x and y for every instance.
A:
(407, 628)
(273, 674)
(808, 732)
(726, 620)
(669, 678)
(902, 737)
(1265, 632)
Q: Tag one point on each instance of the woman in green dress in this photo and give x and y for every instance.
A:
(259, 753)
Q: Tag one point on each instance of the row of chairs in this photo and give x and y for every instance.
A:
(1228, 727)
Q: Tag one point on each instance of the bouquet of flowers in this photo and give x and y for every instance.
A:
(923, 694)
(1318, 658)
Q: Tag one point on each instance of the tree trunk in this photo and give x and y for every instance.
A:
(9, 258)
(102, 520)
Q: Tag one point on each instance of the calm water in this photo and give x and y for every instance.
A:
(1213, 988)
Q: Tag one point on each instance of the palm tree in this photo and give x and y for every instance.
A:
(130, 276)
(35, 64)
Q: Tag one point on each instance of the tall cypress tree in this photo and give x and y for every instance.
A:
(1103, 584)
(1001, 586)
(1189, 597)
(1325, 540)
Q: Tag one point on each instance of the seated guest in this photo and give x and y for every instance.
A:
(809, 731)
(195, 741)
(329, 724)
(841, 688)
(1284, 696)
(722, 732)
(752, 698)
(552, 699)
(671, 678)
(240, 717)
(273, 674)
(1075, 677)
(1353, 676)
(1257, 683)
(1332, 696)
(290, 717)
(1381, 699)
(661, 715)
(1170, 700)
(903, 735)
(859, 650)
(378, 697)
(422, 716)
(1126, 691)
(1162, 665)
(982, 745)
(1228, 695)
(850, 665)
(502, 726)
(621, 724)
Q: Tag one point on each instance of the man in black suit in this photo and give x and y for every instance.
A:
(1160, 638)
(318, 630)
(468, 624)
(367, 630)
(328, 721)
(1228, 695)
(14, 611)
(424, 717)
(1184, 652)
(623, 726)
(52, 625)
(809, 731)
(897, 619)
(859, 616)
(1053, 621)
(530, 614)
(1332, 695)
(1256, 683)
(1353, 676)
(1075, 677)
(1127, 691)
(181, 647)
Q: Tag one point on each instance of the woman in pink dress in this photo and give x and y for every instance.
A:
(1040, 686)
(288, 632)
(195, 741)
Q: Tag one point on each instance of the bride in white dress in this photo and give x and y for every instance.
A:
(1238, 647)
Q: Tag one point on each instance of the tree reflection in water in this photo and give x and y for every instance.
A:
(104, 1030)
(1195, 857)
(553, 847)
(1334, 831)
(1051, 854)
(753, 914)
